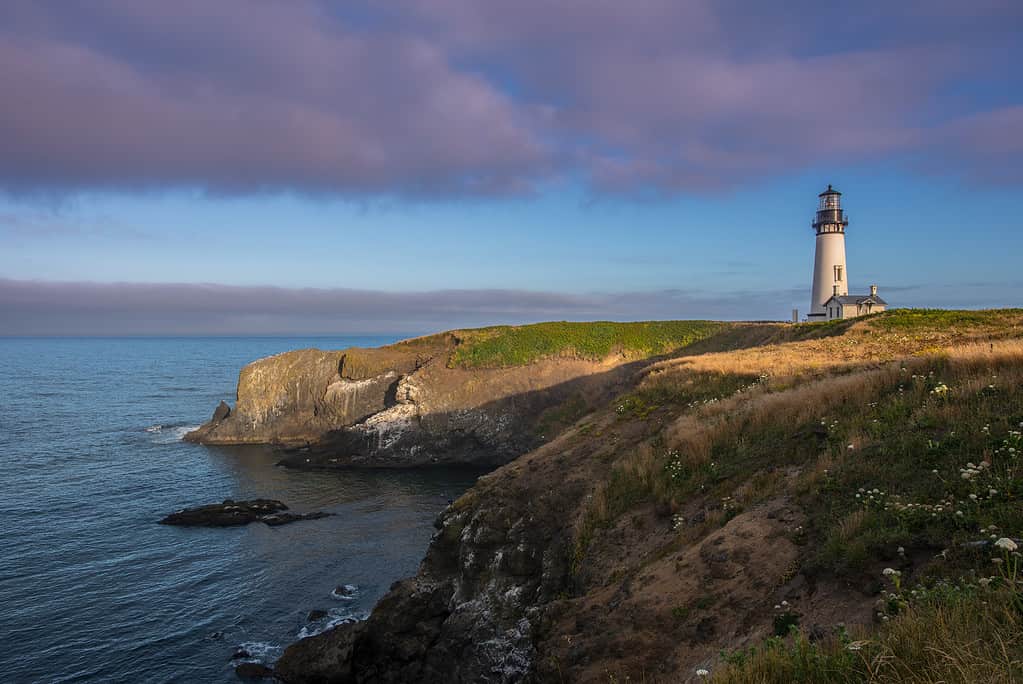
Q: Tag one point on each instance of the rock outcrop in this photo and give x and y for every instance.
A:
(232, 513)
(404, 406)
(476, 608)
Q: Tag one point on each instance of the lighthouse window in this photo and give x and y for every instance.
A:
(838, 274)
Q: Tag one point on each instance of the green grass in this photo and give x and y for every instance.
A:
(941, 319)
(519, 345)
(956, 633)
(915, 447)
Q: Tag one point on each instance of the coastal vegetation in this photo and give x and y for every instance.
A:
(900, 442)
(517, 345)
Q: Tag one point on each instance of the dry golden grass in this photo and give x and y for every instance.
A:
(862, 345)
(805, 381)
(695, 431)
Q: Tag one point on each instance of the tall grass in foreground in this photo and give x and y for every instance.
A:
(965, 633)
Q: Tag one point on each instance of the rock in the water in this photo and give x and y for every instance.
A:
(225, 514)
(240, 654)
(345, 592)
(221, 412)
(284, 518)
(315, 615)
(253, 671)
(231, 513)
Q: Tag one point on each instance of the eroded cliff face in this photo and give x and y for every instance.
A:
(502, 596)
(403, 406)
(475, 611)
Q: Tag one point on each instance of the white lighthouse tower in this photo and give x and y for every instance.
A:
(830, 278)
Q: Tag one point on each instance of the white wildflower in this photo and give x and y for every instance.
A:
(1007, 544)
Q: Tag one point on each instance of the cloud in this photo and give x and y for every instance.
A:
(68, 308)
(240, 96)
(470, 97)
(85, 308)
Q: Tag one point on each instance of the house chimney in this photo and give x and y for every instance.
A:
(873, 290)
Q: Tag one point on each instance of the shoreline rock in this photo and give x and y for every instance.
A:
(231, 513)
(253, 671)
(325, 657)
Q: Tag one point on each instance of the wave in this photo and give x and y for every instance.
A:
(169, 434)
(259, 651)
(345, 592)
(333, 619)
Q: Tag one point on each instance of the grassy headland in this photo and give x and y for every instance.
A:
(897, 437)
(754, 502)
(522, 344)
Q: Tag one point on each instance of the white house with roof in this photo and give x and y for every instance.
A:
(850, 306)
(829, 296)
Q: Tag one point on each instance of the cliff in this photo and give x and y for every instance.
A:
(795, 481)
(473, 396)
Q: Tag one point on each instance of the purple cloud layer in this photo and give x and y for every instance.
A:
(487, 97)
(66, 308)
(69, 308)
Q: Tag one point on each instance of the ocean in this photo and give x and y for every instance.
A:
(92, 589)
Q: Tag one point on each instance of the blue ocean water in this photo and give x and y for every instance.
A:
(93, 589)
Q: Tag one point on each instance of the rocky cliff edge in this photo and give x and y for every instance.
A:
(407, 405)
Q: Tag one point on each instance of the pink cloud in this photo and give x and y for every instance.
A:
(477, 96)
(258, 97)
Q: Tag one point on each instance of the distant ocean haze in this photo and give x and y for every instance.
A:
(91, 457)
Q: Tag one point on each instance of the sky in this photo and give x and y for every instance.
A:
(313, 167)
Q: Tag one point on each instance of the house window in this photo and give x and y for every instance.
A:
(838, 274)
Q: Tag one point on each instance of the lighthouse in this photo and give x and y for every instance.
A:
(829, 274)
(829, 295)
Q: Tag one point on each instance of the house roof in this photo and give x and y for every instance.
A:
(846, 300)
